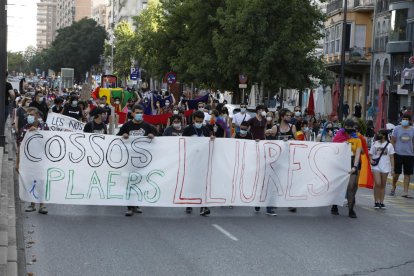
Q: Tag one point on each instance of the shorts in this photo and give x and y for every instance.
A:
(403, 163)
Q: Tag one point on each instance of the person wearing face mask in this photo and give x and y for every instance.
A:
(327, 133)
(198, 129)
(240, 117)
(175, 128)
(136, 127)
(97, 125)
(383, 151)
(40, 104)
(33, 124)
(402, 138)
(303, 133)
(21, 113)
(297, 117)
(58, 105)
(270, 123)
(72, 109)
(348, 134)
(258, 123)
(103, 103)
(284, 130)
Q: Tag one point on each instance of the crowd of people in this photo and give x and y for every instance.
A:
(389, 152)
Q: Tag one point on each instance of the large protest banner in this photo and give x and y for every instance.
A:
(59, 122)
(95, 169)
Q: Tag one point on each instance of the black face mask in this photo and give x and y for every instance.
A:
(350, 130)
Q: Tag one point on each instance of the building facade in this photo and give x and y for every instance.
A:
(46, 23)
(358, 50)
(69, 11)
(393, 47)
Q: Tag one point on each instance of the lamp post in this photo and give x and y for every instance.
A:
(342, 77)
(3, 67)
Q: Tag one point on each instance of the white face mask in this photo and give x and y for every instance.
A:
(297, 113)
(269, 119)
(117, 102)
(175, 112)
(40, 99)
(177, 126)
(167, 104)
(243, 110)
(263, 113)
(27, 104)
(305, 129)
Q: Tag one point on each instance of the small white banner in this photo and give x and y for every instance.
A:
(95, 169)
(59, 122)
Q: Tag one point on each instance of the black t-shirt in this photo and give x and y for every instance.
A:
(133, 129)
(57, 109)
(22, 118)
(93, 127)
(6, 94)
(72, 111)
(171, 131)
(42, 106)
(257, 128)
(191, 130)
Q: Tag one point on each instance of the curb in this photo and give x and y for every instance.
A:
(400, 183)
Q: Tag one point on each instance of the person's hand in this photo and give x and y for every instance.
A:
(125, 136)
(257, 140)
(353, 170)
(32, 128)
(151, 136)
(212, 138)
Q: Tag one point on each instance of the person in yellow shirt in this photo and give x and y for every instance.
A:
(348, 134)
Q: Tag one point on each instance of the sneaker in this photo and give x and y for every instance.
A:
(271, 213)
(334, 210)
(30, 208)
(137, 210)
(189, 210)
(204, 211)
(392, 193)
(292, 209)
(257, 209)
(377, 205)
(352, 214)
(382, 206)
(129, 213)
(43, 211)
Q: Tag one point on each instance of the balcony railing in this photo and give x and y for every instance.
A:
(353, 5)
(359, 55)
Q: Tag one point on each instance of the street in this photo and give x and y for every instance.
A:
(100, 240)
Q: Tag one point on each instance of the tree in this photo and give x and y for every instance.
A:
(125, 49)
(15, 62)
(78, 46)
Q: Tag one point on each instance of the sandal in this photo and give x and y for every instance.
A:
(407, 196)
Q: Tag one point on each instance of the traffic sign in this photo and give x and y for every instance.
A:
(135, 74)
(171, 77)
(242, 78)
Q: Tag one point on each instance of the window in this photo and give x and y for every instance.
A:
(326, 44)
(377, 73)
(338, 34)
(398, 25)
(386, 69)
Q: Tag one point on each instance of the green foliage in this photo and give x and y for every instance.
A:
(211, 42)
(15, 62)
(78, 46)
(125, 49)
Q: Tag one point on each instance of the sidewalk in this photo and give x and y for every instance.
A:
(400, 182)
(8, 245)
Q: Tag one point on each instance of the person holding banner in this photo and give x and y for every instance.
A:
(175, 129)
(136, 127)
(348, 134)
(198, 129)
(240, 117)
(97, 125)
(33, 117)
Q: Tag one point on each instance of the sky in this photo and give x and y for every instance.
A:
(21, 24)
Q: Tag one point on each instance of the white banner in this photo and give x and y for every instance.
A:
(95, 169)
(59, 122)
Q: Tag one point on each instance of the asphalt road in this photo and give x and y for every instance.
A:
(96, 240)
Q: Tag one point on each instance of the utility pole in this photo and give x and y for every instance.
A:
(342, 77)
(113, 37)
(3, 67)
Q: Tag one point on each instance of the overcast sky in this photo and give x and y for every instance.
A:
(21, 17)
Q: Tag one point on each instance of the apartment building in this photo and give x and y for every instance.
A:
(358, 51)
(69, 11)
(46, 23)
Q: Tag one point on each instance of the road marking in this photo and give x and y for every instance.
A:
(222, 230)
(407, 234)
(399, 215)
(407, 220)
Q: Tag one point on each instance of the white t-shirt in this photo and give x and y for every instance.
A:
(238, 118)
(384, 164)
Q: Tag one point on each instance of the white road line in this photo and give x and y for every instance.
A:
(407, 234)
(230, 236)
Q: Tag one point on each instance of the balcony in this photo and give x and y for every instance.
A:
(353, 6)
(357, 60)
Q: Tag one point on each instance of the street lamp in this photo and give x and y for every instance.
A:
(342, 77)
